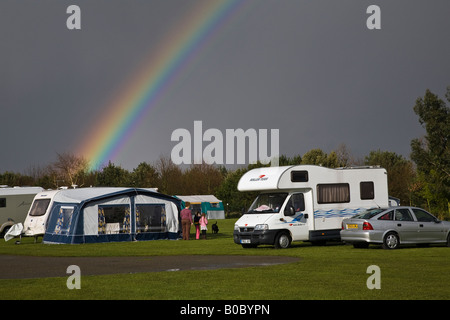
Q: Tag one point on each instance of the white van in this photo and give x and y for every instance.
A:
(306, 202)
(14, 205)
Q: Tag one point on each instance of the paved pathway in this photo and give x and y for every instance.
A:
(22, 267)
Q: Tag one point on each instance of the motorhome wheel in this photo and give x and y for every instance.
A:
(283, 240)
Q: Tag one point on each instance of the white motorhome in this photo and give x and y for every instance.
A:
(306, 202)
(14, 205)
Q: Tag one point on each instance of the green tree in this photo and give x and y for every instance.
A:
(145, 176)
(69, 169)
(202, 179)
(234, 200)
(286, 161)
(320, 158)
(171, 177)
(432, 152)
(315, 156)
(15, 179)
(113, 176)
(400, 173)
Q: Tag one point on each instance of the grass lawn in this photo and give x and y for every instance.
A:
(323, 272)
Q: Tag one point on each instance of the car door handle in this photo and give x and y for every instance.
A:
(399, 224)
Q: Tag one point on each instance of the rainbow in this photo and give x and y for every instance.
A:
(121, 118)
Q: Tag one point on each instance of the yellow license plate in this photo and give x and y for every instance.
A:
(352, 226)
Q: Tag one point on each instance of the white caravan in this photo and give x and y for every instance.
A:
(306, 202)
(14, 205)
(36, 220)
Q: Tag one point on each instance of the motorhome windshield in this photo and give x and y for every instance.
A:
(39, 207)
(268, 203)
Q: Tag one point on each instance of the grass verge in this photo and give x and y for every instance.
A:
(329, 272)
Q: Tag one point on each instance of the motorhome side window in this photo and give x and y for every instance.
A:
(299, 176)
(297, 201)
(150, 218)
(367, 190)
(2, 202)
(39, 207)
(333, 193)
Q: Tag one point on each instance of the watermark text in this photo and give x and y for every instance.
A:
(208, 146)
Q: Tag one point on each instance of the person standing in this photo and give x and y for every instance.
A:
(203, 223)
(186, 221)
(197, 225)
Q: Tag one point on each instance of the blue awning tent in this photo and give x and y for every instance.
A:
(208, 204)
(90, 215)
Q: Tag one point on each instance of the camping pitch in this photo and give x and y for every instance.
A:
(111, 214)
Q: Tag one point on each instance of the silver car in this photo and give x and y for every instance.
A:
(394, 226)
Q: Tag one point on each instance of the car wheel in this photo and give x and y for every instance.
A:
(448, 240)
(283, 240)
(391, 241)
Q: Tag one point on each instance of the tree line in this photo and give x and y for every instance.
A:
(422, 181)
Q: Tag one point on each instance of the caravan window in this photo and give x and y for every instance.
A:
(113, 219)
(39, 207)
(150, 218)
(64, 220)
(333, 193)
(2, 202)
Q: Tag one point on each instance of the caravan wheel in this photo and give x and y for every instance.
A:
(283, 240)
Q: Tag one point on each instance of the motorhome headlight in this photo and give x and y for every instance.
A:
(260, 227)
(236, 227)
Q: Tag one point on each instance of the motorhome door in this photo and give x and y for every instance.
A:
(296, 216)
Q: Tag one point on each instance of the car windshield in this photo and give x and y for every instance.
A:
(268, 203)
(368, 214)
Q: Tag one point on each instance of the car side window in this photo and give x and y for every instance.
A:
(423, 216)
(387, 216)
(403, 215)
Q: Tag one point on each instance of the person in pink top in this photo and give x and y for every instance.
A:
(203, 223)
(186, 221)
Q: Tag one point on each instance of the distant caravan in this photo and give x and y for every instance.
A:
(14, 205)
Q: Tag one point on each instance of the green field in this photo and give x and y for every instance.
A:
(334, 271)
